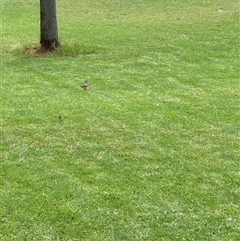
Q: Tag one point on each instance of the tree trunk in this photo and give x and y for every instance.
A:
(48, 24)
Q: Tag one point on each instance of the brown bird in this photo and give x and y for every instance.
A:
(84, 85)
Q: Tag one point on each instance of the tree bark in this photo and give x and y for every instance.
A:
(48, 24)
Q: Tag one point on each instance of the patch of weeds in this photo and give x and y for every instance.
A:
(75, 49)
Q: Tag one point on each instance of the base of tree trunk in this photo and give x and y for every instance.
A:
(50, 45)
(38, 51)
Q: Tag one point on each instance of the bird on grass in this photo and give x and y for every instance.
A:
(84, 85)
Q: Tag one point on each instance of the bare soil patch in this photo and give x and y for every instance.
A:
(38, 51)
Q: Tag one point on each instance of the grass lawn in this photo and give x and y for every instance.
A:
(150, 151)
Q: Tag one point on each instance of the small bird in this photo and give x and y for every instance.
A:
(84, 85)
(60, 117)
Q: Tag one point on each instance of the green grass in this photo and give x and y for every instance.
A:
(150, 151)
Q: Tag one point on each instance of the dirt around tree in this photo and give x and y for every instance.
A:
(38, 51)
